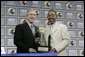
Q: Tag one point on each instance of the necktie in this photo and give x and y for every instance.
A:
(33, 29)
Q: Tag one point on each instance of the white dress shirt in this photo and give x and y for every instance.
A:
(31, 27)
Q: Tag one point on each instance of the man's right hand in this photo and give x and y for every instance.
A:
(32, 50)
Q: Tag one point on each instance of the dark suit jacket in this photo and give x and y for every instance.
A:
(24, 39)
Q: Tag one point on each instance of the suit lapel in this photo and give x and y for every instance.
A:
(55, 28)
(28, 28)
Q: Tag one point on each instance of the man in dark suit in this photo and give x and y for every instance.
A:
(26, 34)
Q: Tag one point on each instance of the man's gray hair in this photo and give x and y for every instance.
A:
(31, 9)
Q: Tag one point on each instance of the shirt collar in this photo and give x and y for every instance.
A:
(54, 24)
(29, 23)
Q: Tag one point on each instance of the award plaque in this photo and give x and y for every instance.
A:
(43, 47)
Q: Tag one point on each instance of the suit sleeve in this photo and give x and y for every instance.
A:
(65, 39)
(18, 38)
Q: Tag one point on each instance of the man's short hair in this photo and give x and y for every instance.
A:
(31, 9)
(52, 11)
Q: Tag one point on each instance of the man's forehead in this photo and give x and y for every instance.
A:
(51, 12)
(32, 12)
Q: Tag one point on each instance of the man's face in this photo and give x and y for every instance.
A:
(31, 16)
(51, 16)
